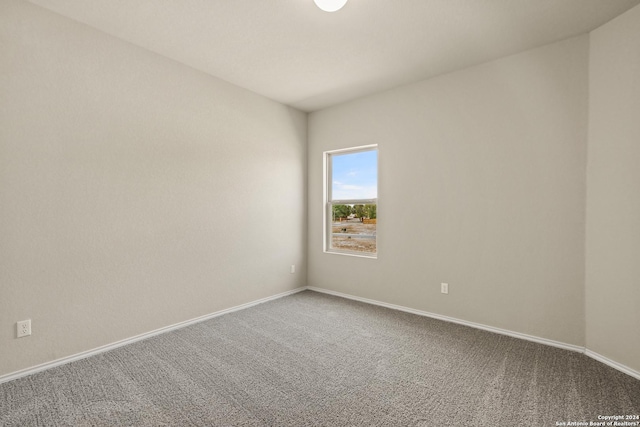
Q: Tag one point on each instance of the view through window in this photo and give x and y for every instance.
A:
(352, 201)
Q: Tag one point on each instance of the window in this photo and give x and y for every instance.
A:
(351, 196)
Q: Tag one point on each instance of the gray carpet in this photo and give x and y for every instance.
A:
(316, 360)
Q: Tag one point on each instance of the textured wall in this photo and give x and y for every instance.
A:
(135, 192)
(482, 185)
(613, 197)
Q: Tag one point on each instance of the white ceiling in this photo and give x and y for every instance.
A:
(294, 53)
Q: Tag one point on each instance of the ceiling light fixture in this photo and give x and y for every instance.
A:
(330, 5)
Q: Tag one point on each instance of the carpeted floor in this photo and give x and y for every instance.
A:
(316, 360)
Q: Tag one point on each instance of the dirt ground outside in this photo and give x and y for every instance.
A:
(350, 241)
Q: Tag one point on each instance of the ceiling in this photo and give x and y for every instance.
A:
(294, 53)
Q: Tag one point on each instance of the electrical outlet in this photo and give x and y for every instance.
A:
(24, 328)
(293, 268)
(444, 288)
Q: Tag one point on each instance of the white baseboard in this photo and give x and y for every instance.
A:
(620, 367)
(102, 349)
(544, 341)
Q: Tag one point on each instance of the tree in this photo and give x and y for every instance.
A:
(371, 211)
(341, 211)
(358, 210)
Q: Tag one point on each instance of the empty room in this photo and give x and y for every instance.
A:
(320, 213)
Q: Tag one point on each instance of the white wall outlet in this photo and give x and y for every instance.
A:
(293, 268)
(444, 288)
(24, 328)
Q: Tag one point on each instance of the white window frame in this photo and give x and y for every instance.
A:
(328, 202)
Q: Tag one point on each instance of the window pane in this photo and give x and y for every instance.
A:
(351, 201)
(353, 227)
(354, 175)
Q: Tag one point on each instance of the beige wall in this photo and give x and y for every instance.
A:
(613, 198)
(482, 185)
(134, 192)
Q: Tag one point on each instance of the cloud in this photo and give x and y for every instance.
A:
(351, 192)
(350, 187)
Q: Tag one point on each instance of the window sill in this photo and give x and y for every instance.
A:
(353, 254)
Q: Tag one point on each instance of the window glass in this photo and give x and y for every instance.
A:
(352, 201)
(354, 176)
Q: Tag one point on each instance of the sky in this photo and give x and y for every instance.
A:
(355, 175)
